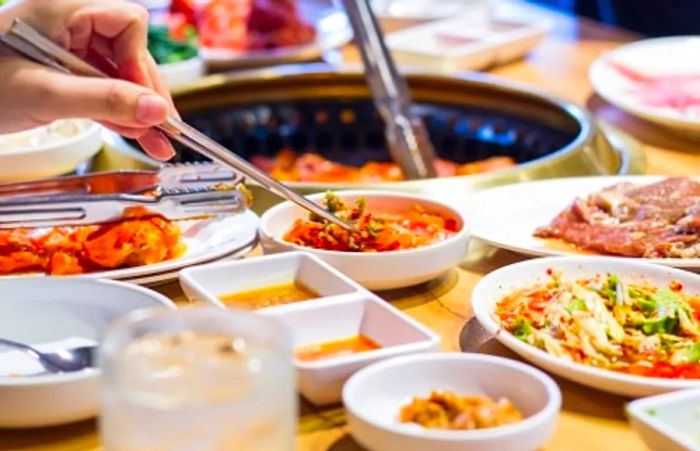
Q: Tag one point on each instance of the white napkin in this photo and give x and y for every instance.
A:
(14, 363)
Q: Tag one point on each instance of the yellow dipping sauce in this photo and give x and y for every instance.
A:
(269, 296)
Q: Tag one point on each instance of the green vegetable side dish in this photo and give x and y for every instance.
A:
(166, 50)
(603, 321)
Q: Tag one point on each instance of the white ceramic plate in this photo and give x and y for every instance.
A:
(496, 285)
(652, 57)
(332, 30)
(374, 396)
(57, 156)
(425, 9)
(375, 270)
(182, 73)
(669, 422)
(507, 216)
(206, 240)
(78, 309)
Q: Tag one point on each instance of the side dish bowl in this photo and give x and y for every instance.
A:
(49, 312)
(376, 270)
(51, 158)
(374, 396)
(362, 314)
(669, 422)
(498, 284)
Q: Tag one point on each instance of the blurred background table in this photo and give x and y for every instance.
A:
(590, 419)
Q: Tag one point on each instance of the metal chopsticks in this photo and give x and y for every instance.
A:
(406, 136)
(31, 43)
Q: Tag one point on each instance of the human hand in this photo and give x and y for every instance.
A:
(111, 34)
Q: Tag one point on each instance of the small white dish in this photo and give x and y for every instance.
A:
(46, 152)
(470, 41)
(497, 284)
(425, 9)
(321, 381)
(670, 56)
(669, 422)
(206, 283)
(182, 73)
(374, 396)
(53, 310)
(375, 270)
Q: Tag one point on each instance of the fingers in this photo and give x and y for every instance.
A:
(126, 26)
(157, 145)
(128, 108)
(153, 142)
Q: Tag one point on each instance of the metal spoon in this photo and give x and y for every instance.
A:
(61, 361)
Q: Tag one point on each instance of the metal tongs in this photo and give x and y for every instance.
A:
(174, 192)
(406, 135)
(31, 43)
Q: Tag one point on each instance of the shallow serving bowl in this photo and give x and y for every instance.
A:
(59, 310)
(363, 313)
(51, 158)
(374, 396)
(494, 286)
(206, 283)
(376, 270)
(668, 422)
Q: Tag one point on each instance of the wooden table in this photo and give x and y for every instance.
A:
(590, 420)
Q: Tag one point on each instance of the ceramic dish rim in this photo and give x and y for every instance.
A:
(551, 407)
(92, 130)
(483, 314)
(463, 233)
(60, 378)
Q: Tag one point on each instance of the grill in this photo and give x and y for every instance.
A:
(314, 108)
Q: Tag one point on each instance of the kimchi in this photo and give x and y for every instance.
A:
(139, 239)
(408, 229)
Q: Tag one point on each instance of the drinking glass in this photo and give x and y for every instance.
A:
(197, 379)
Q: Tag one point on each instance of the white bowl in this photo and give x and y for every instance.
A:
(669, 422)
(363, 313)
(494, 286)
(374, 396)
(52, 310)
(182, 73)
(52, 158)
(376, 270)
(205, 283)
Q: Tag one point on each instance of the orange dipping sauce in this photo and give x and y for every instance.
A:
(336, 348)
(269, 296)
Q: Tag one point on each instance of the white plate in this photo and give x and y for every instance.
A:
(332, 30)
(669, 422)
(498, 284)
(52, 311)
(507, 216)
(182, 73)
(52, 158)
(654, 57)
(206, 240)
(425, 9)
(374, 396)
